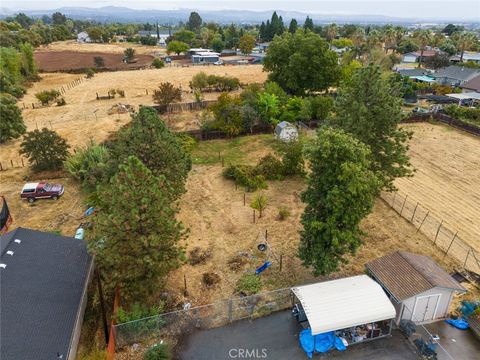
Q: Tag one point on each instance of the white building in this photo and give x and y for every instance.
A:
(83, 37)
(286, 131)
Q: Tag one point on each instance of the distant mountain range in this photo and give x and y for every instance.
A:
(122, 14)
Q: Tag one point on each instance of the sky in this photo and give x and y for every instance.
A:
(442, 9)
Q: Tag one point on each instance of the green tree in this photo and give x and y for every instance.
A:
(218, 44)
(247, 43)
(148, 138)
(268, 107)
(135, 233)
(227, 113)
(158, 63)
(332, 31)
(177, 47)
(291, 153)
(437, 61)
(301, 63)
(259, 202)
(341, 192)
(129, 54)
(308, 24)
(58, 18)
(45, 149)
(11, 123)
(185, 36)
(423, 38)
(167, 93)
(194, 22)
(370, 108)
(463, 40)
(99, 61)
(293, 27)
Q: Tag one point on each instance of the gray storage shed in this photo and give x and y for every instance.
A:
(420, 290)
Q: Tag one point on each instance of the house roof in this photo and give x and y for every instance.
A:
(43, 285)
(413, 72)
(343, 303)
(426, 53)
(457, 72)
(405, 274)
(472, 84)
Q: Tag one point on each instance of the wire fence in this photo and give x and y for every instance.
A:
(218, 314)
(442, 236)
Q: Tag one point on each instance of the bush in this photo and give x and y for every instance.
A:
(88, 165)
(12, 125)
(47, 95)
(61, 102)
(228, 115)
(158, 352)
(158, 63)
(249, 284)
(187, 142)
(45, 149)
(167, 93)
(138, 312)
(121, 92)
(199, 256)
(259, 202)
(112, 92)
(283, 213)
(99, 61)
(201, 81)
(291, 153)
(269, 167)
(244, 175)
(210, 279)
(237, 262)
(470, 115)
(89, 73)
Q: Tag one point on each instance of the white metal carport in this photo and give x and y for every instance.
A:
(344, 303)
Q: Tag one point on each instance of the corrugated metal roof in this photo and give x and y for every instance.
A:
(405, 274)
(342, 303)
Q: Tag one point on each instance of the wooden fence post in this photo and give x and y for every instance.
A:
(414, 211)
(243, 199)
(404, 201)
(428, 212)
(449, 246)
(1, 167)
(466, 258)
(23, 165)
(281, 262)
(438, 230)
(254, 216)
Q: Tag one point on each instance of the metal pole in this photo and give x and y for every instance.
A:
(428, 212)
(465, 263)
(449, 246)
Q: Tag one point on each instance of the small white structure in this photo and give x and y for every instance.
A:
(286, 131)
(344, 303)
(83, 37)
(207, 57)
(410, 57)
(420, 290)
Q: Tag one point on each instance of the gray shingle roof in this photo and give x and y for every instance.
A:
(405, 274)
(42, 288)
(472, 84)
(413, 72)
(457, 72)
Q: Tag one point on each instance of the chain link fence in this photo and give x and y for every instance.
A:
(218, 314)
(447, 239)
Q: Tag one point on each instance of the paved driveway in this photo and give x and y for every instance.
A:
(275, 337)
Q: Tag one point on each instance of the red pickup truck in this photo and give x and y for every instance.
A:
(42, 190)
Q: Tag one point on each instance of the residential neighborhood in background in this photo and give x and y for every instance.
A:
(240, 182)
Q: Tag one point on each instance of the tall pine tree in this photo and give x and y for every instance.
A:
(293, 26)
(135, 231)
(370, 108)
(341, 192)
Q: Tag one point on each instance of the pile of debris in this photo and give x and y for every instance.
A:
(120, 109)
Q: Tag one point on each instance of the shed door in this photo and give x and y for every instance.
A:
(425, 307)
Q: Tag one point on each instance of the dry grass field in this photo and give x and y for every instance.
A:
(114, 48)
(446, 180)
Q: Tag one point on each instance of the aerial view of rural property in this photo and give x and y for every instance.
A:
(217, 180)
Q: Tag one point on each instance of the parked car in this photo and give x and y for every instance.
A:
(219, 62)
(41, 190)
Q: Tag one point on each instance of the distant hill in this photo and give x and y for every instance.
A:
(122, 14)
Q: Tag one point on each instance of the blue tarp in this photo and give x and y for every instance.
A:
(461, 324)
(321, 343)
(307, 342)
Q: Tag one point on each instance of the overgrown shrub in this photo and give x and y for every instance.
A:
(88, 165)
(291, 153)
(187, 142)
(112, 92)
(244, 175)
(270, 167)
(89, 73)
(201, 81)
(198, 256)
(47, 95)
(249, 284)
(167, 93)
(61, 102)
(158, 63)
(12, 125)
(121, 92)
(158, 352)
(471, 115)
(283, 213)
(210, 279)
(259, 202)
(138, 312)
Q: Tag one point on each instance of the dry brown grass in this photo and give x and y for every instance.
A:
(446, 180)
(115, 48)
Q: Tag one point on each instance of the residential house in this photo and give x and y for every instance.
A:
(44, 280)
(455, 75)
(205, 57)
(467, 56)
(420, 290)
(83, 37)
(415, 56)
(471, 85)
(162, 35)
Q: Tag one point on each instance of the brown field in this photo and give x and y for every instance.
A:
(446, 180)
(114, 48)
(51, 61)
